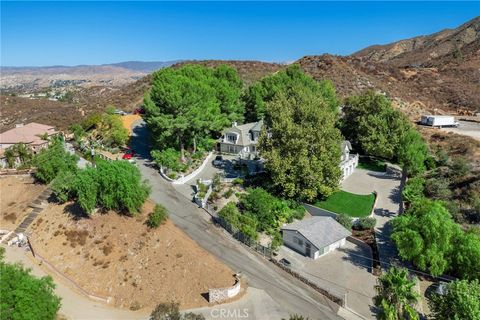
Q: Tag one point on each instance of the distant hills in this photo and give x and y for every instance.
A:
(31, 79)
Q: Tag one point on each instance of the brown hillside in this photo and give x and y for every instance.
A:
(425, 50)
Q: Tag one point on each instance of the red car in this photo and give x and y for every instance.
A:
(139, 111)
(128, 154)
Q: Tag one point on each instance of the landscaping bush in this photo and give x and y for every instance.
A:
(413, 190)
(344, 220)
(171, 311)
(228, 193)
(168, 158)
(237, 181)
(157, 217)
(366, 223)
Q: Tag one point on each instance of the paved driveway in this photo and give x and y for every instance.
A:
(343, 272)
(387, 207)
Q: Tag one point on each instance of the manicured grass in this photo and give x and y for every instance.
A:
(372, 165)
(354, 205)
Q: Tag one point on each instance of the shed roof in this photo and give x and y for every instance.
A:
(320, 231)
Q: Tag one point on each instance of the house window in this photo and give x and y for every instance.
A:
(231, 138)
(298, 241)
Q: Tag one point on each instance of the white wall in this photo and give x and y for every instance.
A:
(288, 240)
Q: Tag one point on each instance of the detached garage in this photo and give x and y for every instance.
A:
(314, 237)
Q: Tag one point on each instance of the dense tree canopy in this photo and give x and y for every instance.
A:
(260, 93)
(460, 302)
(190, 103)
(112, 185)
(23, 296)
(371, 124)
(301, 144)
(427, 235)
(412, 152)
(270, 211)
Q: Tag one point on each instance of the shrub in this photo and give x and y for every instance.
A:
(172, 175)
(277, 240)
(438, 188)
(344, 220)
(459, 167)
(171, 311)
(413, 190)
(168, 158)
(367, 223)
(157, 217)
(238, 181)
(228, 193)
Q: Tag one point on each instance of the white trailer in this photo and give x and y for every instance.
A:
(439, 121)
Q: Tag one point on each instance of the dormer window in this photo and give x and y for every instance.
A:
(231, 137)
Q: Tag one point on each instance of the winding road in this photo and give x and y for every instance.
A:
(293, 296)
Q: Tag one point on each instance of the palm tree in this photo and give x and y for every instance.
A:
(396, 295)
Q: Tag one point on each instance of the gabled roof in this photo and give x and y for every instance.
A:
(320, 231)
(29, 133)
(243, 131)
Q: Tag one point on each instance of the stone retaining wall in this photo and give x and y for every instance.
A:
(222, 294)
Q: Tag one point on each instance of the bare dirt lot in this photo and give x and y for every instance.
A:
(128, 121)
(16, 193)
(117, 256)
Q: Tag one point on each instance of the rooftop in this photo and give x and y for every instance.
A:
(320, 231)
(29, 134)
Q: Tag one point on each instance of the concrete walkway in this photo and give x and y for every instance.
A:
(387, 207)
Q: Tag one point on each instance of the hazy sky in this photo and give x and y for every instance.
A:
(72, 33)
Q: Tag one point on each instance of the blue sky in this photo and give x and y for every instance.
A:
(73, 33)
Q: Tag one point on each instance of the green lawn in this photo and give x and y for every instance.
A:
(372, 165)
(354, 205)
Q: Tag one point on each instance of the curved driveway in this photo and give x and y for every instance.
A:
(290, 294)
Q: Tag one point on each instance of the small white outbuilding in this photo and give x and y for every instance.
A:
(315, 236)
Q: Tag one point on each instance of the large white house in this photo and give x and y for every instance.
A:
(314, 237)
(242, 140)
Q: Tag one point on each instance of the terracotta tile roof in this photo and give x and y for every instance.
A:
(29, 134)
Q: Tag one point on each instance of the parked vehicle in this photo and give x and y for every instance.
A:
(218, 162)
(139, 111)
(120, 112)
(129, 153)
(438, 121)
(285, 262)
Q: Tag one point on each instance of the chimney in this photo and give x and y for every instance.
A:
(19, 125)
(234, 124)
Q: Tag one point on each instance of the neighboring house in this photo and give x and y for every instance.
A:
(348, 162)
(241, 140)
(30, 134)
(314, 237)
